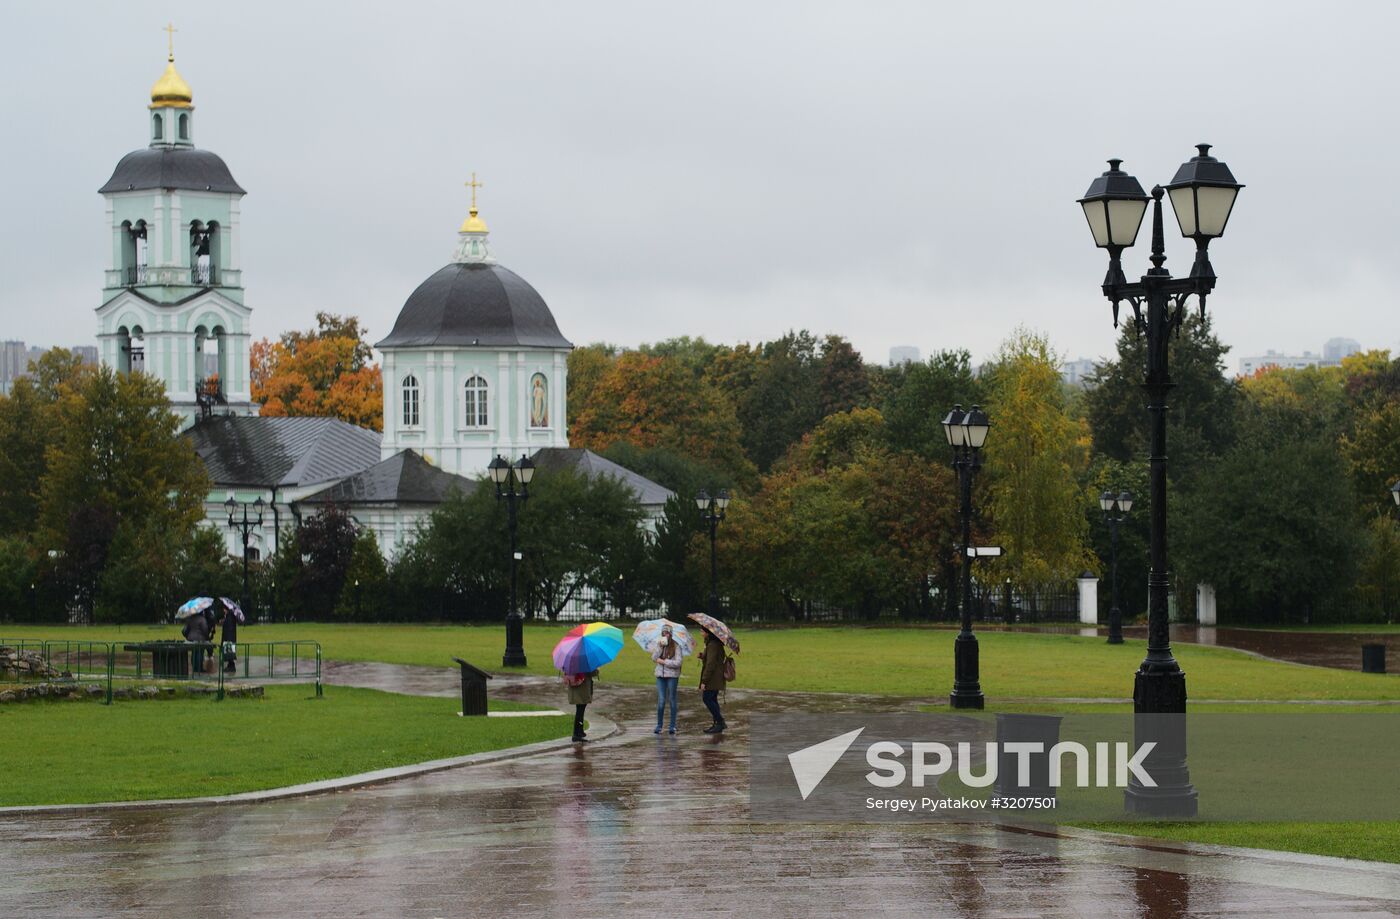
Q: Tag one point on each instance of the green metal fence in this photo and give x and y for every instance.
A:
(292, 661)
(77, 659)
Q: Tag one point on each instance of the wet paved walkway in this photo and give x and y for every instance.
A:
(633, 826)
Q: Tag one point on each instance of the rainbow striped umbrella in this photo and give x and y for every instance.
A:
(587, 647)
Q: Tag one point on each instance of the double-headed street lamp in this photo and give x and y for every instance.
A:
(966, 433)
(1108, 503)
(1203, 195)
(513, 485)
(712, 512)
(245, 525)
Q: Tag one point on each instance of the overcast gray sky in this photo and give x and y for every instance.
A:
(899, 173)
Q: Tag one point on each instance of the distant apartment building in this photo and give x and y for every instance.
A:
(1338, 348)
(1252, 365)
(903, 354)
(1331, 356)
(15, 359)
(1074, 373)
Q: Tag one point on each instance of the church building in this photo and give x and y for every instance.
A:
(474, 367)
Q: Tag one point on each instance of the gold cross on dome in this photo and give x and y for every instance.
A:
(170, 31)
(474, 185)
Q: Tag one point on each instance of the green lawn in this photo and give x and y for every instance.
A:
(1375, 841)
(75, 752)
(898, 661)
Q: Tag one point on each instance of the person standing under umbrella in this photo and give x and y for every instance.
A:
(229, 637)
(198, 628)
(668, 659)
(712, 679)
(580, 694)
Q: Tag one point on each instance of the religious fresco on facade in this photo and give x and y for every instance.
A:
(539, 401)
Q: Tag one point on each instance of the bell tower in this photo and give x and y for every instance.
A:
(172, 301)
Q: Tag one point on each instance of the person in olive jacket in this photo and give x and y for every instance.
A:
(712, 679)
(580, 694)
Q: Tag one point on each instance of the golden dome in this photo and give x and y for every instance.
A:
(473, 224)
(171, 89)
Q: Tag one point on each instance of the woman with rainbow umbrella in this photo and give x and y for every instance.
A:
(578, 656)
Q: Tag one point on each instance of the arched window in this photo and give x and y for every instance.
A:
(157, 128)
(184, 127)
(476, 415)
(410, 401)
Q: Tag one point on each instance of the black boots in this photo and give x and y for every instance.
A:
(716, 728)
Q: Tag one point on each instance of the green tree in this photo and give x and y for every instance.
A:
(1034, 459)
(843, 382)
(1271, 525)
(915, 397)
(1200, 408)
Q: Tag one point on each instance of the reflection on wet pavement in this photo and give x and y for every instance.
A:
(637, 825)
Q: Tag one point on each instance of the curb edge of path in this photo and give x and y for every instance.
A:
(604, 727)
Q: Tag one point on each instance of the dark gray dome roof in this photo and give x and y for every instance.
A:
(171, 167)
(475, 303)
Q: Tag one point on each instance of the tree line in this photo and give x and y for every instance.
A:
(843, 496)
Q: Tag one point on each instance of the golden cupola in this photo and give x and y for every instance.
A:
(171, 90)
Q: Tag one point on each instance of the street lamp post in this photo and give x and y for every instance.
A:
(712, 512)
(513, 486)
(245, 524)
(966, 433)
(1123, 503)
(1203, 194)
(357, 599)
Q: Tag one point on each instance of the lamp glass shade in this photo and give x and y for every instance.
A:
(975, 426)
(702, 500)
(722, 501)
(1106, 501)
(1395, 493)
(1125, 501)
(525, 469)
(952, 426)
(1114, 206)
(1203, 195)
(499, 469)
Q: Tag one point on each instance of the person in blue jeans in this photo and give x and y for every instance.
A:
(668, 658)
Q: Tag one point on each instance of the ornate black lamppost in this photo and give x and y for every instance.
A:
(512, 486)
(1123, 503)
(1203, 194)
(245, 525)
(712, 512)
(966, 432)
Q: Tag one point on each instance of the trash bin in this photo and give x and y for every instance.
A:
(1373, 658)
(1042, 729)
(473, 688)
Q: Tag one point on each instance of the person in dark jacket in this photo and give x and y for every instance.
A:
(229, 637)
(712, 679)
(198, 628)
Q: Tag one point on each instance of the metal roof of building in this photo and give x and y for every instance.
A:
(587, 463)
(282, 452)
(475, 304)
(171, 167)
(404, 478)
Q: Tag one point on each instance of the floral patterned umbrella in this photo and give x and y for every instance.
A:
(719, 629)
(196, 605)
(648, 632)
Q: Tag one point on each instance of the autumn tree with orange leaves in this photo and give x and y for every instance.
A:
(322, 372)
